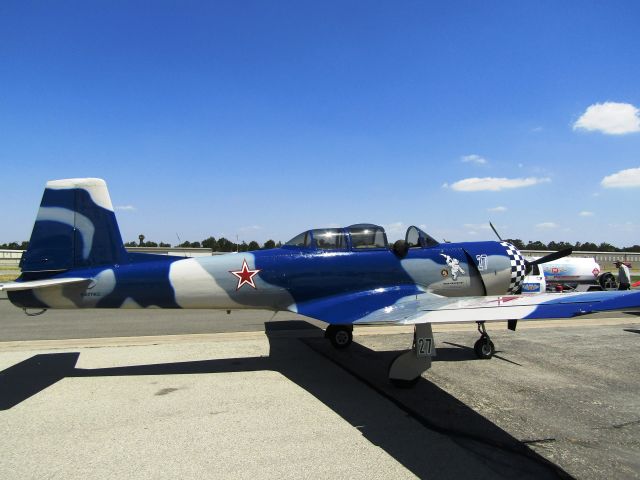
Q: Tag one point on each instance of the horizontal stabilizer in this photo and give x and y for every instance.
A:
(50, 282)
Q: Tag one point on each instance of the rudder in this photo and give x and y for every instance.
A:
(75, 227)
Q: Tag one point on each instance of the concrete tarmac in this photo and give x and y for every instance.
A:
(274, 399)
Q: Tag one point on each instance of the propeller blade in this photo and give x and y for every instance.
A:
(552, 256)
(495, 231)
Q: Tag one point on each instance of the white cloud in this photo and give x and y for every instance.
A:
(498, 209)
(611, 118)
(585, 213)
(495, 184)
(547, 225)
(477, 159)
(126, 208)
(628, 178)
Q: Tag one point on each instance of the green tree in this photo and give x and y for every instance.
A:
(559, 245)
(607, 247)
(210, 243)
(516, 242)
(269, 244)
(243, 247)
(188, 244)
(587, 247)
(253, 245)
(225, 245)
(131, 244)
(166, 245)
(537, 245)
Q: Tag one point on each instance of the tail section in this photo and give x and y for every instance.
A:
(75, 227)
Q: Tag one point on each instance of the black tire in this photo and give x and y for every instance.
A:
(340, 336)
(484, 348)
(607, 281)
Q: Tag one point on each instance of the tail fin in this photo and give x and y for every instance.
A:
(75, 227)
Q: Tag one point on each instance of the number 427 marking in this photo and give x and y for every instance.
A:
(424, 346)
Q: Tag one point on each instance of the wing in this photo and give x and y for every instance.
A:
(52, 282)
(387, 306)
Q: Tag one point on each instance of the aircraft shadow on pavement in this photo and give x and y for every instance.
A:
(463, 353)
(430, 406)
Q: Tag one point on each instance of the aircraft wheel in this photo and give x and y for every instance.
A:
(340, 336)
(484, 348)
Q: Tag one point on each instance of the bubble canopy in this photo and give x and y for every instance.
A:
(359, 237)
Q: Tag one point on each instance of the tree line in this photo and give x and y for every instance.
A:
(225, 245)
(578, 246)
(220, 245)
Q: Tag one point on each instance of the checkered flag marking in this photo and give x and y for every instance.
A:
(518, 267)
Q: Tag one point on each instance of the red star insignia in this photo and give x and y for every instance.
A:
(245, 276)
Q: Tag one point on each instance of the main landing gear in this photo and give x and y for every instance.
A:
(484, 347)
(340, 336)
(406, 369)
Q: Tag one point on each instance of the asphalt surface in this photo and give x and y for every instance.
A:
(204, 394)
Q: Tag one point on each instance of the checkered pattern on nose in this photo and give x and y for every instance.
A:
(518, 267)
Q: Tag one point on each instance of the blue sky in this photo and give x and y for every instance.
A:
(262, 119)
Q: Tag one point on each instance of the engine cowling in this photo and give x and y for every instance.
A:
(501, 266)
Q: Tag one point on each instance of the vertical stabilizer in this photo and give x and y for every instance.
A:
(75, 227)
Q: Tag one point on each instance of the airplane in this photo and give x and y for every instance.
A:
(342, 276)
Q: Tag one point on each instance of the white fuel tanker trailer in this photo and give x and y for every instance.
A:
(568, 273)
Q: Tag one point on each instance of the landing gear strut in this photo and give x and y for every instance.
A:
(340, 336)
(484, 346)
